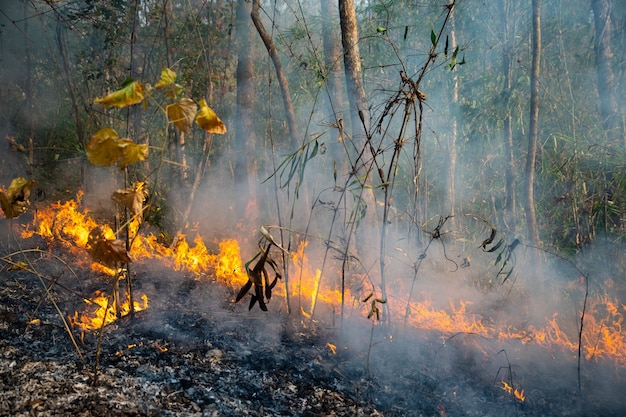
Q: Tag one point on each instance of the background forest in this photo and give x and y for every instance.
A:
(535, 150)
(462, 148)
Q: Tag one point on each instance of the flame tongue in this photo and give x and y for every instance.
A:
(105, 313)
(66, 224)
(517, 393)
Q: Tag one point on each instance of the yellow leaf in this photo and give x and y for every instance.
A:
(132, 152)
(167, 77)
(132, 198)
(14, 201)
(208, 120)
(130, 94)
(182, 114)
(19, 265)
(103, 149)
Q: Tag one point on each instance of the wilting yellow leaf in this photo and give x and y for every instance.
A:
(182, 114)
(14, 201)
(132, 198)
(132, 152)
(103, 148)
(167, 77)
(106, 148)
(131, 93)
(208, 120)
(107, 251)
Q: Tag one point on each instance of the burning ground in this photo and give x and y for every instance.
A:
(188, 349)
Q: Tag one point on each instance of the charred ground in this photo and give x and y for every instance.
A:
(194, 352)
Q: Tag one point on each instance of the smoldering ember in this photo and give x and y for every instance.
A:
(299, 208)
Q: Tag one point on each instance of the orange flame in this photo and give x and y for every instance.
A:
(602, 336)
(307, 283)
(106, 312)
(517, 393)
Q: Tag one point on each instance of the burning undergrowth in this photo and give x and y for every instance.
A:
(187, 348)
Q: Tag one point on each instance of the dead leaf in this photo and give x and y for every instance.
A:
(132, 198)
(182, 114)
(15, 200)
(208, 120)
(109, 252)
(103, 148)
(19, 265)
(106, 148)
(132, 152)
(167, 77)
(14, 145)
(130, 93)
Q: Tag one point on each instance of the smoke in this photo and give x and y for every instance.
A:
(312, 193)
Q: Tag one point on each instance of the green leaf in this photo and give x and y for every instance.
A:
(433, 37)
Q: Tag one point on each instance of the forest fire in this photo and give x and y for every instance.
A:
(515, 392)
(106, 312)
(602, 337)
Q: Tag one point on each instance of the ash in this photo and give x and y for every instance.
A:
(194, 352)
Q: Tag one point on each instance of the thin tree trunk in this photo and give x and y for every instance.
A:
(244, 148)
(507, 72)
(352, 64)
(28, 90)
(609, 113)
(452, 153)
(360, 129)
(61, 42)
(280, 73)
(334, 85)
(166, 32)
(531, 157)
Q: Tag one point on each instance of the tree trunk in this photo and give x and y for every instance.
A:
(507, 72)
(452, 153)
(244, 144)
(360, 122)
(28, 91)
(531, 157)
(334, 85)
(280, 73)
(608, 107)
(352, 63)
(62, 44)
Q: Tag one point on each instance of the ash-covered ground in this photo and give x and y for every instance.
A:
(194, 352)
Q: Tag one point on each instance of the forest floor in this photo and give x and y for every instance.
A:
(193, 352)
